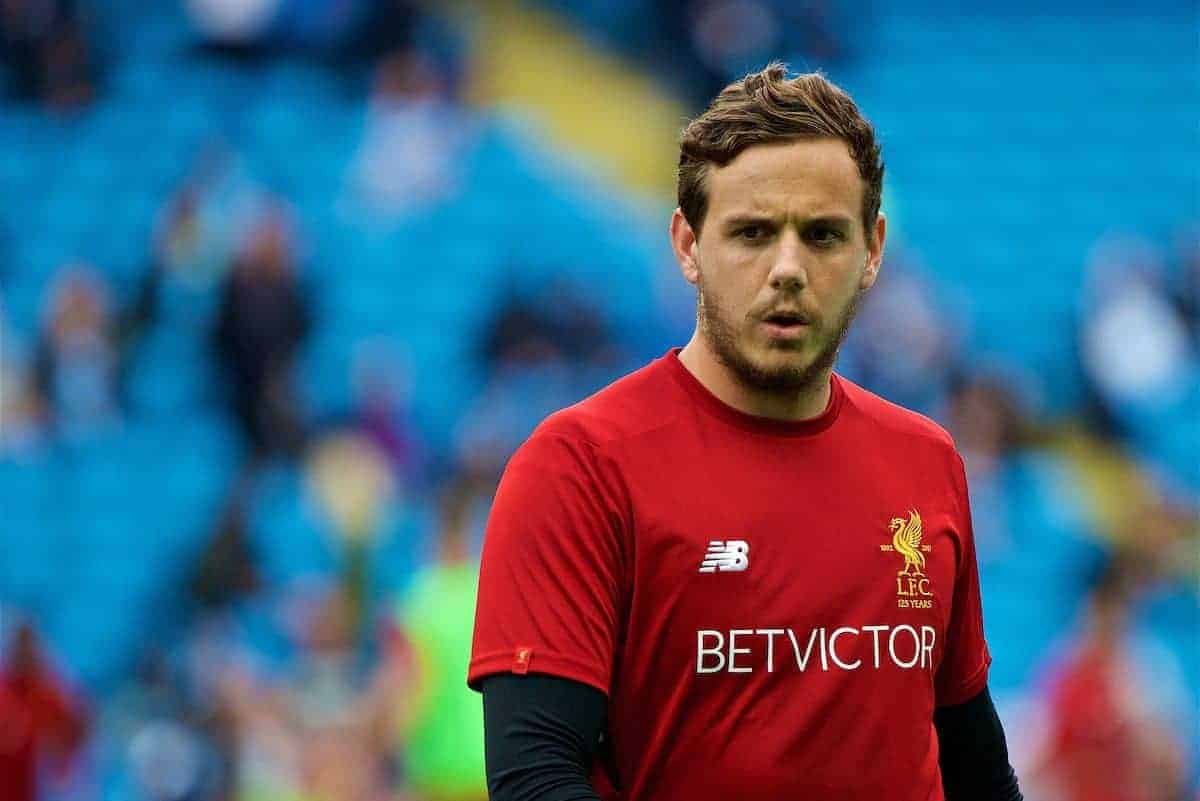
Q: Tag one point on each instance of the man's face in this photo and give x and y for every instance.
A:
(781, 262)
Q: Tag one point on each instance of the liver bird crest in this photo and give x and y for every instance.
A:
(906, 539)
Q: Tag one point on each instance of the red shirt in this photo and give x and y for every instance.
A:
(773, 608)
(1093, 748)
(36, 718)
(18, 757)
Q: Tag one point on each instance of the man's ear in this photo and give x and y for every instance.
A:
(684, 242)
(874, 253)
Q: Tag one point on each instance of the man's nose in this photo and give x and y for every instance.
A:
(789, 269)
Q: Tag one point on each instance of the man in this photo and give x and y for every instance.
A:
(733, 574)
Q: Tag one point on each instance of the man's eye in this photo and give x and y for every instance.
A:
(751, 233)
(826, 236)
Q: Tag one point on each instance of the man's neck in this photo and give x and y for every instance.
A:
(792, 406)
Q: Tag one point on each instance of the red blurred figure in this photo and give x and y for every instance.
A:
(41, 723)
(1103, 743)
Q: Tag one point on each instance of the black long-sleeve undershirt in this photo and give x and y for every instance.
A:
(542, 734)
(973, 753)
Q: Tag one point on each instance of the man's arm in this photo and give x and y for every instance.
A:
(541, 734)
(973, 753)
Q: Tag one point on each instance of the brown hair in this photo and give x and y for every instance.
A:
(768, 107)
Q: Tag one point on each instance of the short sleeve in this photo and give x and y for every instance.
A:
(965, 662)
(552, 571)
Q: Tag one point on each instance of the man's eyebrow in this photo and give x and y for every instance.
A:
(756, 219)
(747, 219)
(833, 219)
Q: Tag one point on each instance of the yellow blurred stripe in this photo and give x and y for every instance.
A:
(588, 100)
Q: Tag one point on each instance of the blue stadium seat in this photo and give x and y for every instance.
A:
(288, 537)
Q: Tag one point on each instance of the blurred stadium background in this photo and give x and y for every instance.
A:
(284, 282)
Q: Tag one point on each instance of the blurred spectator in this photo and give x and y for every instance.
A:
(1185, 288)
(198, 233)
(416, 131)
(171, 749)
(44, 46)
(166, 760)
(1108, 739)
(266, 28)
(226, 570)
(358, 502)
(43, 725)
(991, 432)
(21, 415)
(179, 246)
(383, 410)
(733, 37)
(904, 345)
(384, 28)
(262, 321)
(189, 247)
(1135, 343)
(557, 325)
(521, 334)
(21, 433)
(1024, 500)
(542, 353)
(989, 420)
(312, 710)
(443, 729)
(77, 362)
(68, 67)
(708, 43)
(348, 476)
(1140, 361)
(234, 23)
(1164, 529)
(320, 728)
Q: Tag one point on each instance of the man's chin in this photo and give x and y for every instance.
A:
(776, 368)
(782, 355)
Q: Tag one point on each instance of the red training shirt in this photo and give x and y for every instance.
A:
(772, 608)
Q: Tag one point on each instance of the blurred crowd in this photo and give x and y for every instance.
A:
(701, 45)
(323, 680)
(330, 679)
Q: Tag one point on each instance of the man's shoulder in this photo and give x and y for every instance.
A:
(893, 418)
(634, 403)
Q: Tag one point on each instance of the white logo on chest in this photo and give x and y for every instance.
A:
(726, 556)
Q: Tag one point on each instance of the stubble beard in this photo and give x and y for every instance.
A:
(788, 378)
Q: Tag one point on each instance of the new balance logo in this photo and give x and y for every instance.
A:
(726, 556)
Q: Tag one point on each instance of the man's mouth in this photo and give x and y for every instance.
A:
(786, 318)
(785, 324)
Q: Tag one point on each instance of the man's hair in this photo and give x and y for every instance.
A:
(768, 107)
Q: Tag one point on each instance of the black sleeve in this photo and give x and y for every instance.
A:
(973, 753)
(541, 734)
